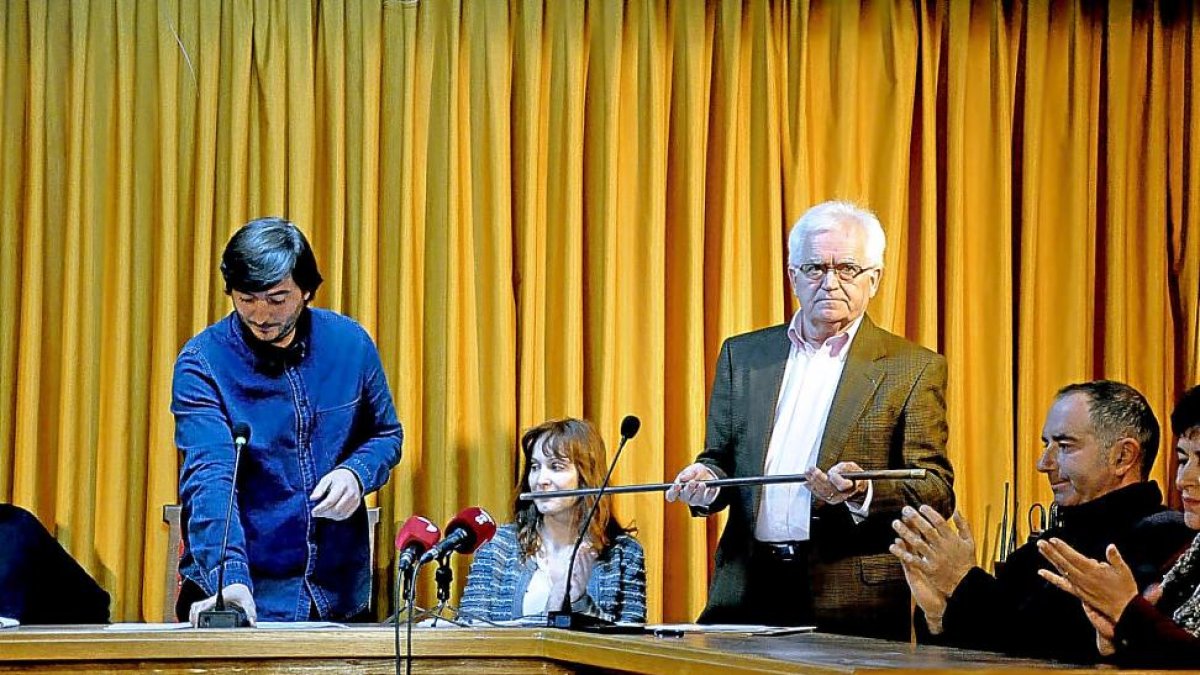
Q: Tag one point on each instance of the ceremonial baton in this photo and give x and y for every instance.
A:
(886, 474)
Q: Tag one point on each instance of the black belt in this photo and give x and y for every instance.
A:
(783, 551)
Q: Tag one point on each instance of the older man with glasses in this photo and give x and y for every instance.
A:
(825, 394)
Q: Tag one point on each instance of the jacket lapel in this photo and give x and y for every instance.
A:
(861, 376)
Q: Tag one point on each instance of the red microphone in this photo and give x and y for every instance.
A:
(471, 528)
(414, 538)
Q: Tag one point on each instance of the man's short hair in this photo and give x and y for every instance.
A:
(827, 216)
(1117, 411)
(1185, 418)
(263, 252)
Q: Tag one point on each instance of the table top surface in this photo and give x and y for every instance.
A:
(810, 652)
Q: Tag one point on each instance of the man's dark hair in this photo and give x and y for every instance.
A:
(1118, 411)
(264, 251)
(1185, 418)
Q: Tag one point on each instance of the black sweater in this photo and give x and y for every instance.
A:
(39, 581)
(1018, 612)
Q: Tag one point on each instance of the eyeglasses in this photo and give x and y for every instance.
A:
(845, 271)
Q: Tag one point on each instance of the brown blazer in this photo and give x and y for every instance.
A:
(889, 412)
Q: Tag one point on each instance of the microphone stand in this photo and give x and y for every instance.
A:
(565, 617)
(444, 577)
(407, 577)
(221, 616)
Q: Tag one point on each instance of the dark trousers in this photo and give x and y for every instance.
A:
(778, 590)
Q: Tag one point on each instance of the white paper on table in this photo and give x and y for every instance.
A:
(745, 629)
(265, 625)
(298, 625)
(146, 626)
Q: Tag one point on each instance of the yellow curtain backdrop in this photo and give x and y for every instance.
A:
(544, 208)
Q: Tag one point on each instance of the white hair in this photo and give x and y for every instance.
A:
(830, 215)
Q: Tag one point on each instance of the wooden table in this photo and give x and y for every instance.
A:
(363, 650)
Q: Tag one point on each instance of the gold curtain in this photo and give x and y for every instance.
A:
(544, 208)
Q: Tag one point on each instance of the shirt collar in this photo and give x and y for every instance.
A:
(838, 345)
(272, 358)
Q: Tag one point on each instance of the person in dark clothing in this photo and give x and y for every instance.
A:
(1100, 439)
(40, 583)
(1160, 626)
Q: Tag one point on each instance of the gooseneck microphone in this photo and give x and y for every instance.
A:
(234, 616)
(471, 528)
(564, 617)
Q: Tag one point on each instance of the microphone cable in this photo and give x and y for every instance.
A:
(396, 617)
(412, 599)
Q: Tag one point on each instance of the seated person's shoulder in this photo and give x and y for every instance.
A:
(13, 512)
(1166, 527)
(504, 542)
(1166, 519)
(627, 544)
(15, 518)
(1156, 540)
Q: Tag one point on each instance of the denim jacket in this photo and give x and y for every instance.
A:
(328, 408)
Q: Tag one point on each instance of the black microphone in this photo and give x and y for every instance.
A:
(471, 528)
(629, 428)
(564, 617)
(233, 616)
